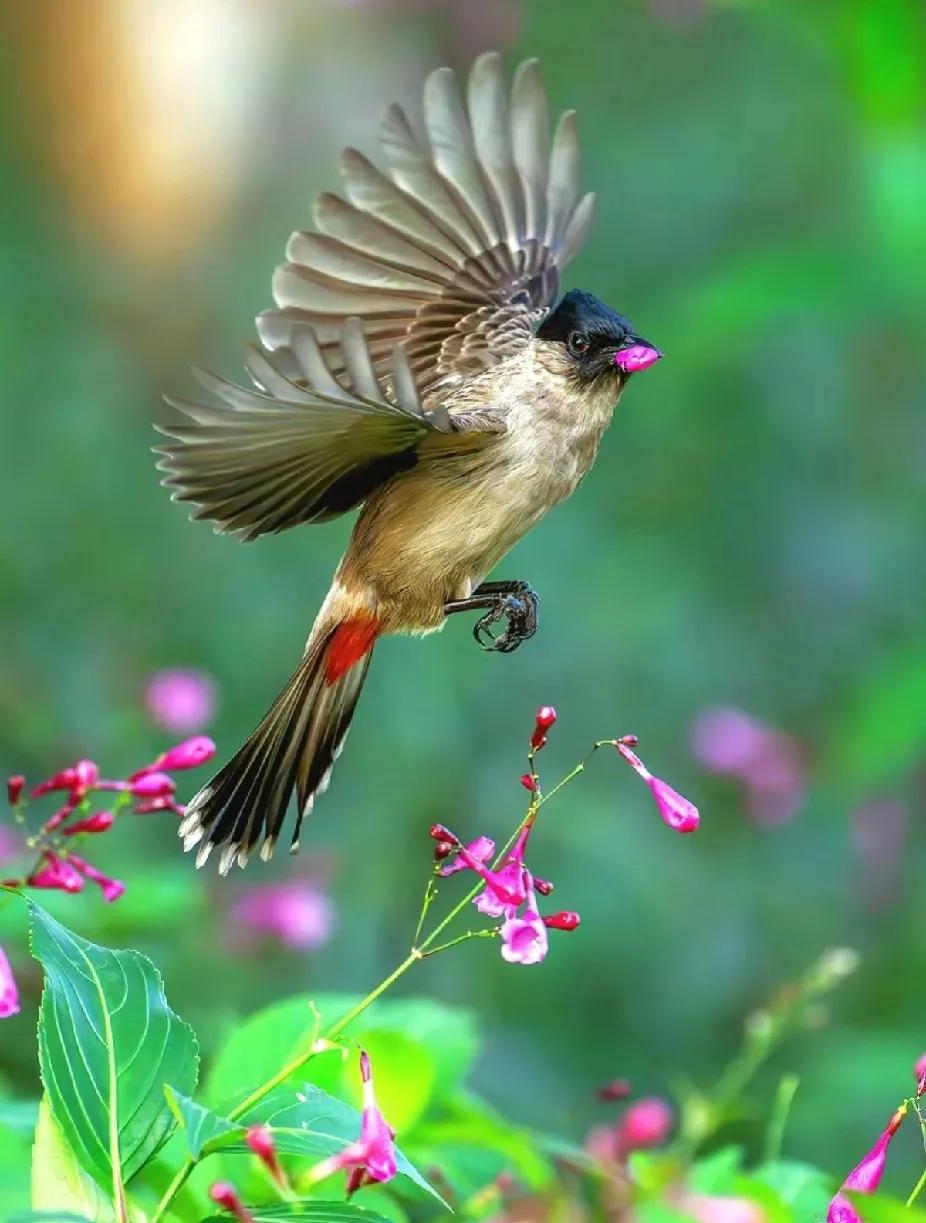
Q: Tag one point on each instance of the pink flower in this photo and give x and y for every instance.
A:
(524, 937)
(865, 1177)
(226, 1196)
(919, 1074)
(58, 875)
(260, 1141)
(112, 889)
(153, 785)
(482, 849)
(646, 1123)
(14, 788)
(546, 716)
(372, 1157)
(99, 822)
(180, 701)
(770, 764)
(677, 812)
(298, 913)
(9, 994)
(189, 754)
(710, 1208)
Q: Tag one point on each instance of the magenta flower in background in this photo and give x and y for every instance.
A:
(865, 1177)
(646, 1123)
(297, 914)
(677, 812)
(919, 1074)
(180, 701)
(770, 764)
(372, 1157)
(9, 994)
(9, 844)
(879, 836)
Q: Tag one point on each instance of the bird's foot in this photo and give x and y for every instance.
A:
(515, 603)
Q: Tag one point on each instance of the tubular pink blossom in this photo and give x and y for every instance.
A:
(99, 822)
(260, 1141)
(865, 1177)
(919, 1074)
(481, 850)
(524, 937)
(9, 994)
(226, 1196)
(112, 889)
(57, 875)
(676, 811)
(14, 788)
(372, 1157)
(65, 779)
(546, 716)
(153, 785)
(646, 1123)
(841, 1210)
(189, 754)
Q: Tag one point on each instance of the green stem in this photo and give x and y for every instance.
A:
(784, 1098)
(461, 938)
(917, 1188)
(580, 768)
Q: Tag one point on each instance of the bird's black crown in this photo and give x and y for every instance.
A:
(591, 333)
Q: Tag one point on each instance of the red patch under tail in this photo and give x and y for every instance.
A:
(351, 640)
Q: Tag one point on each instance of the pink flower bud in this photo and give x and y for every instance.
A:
(99, 822)
(617, 1089)
(54, 821)
(57, 875)
(543, 886)
(529, 784)
(564, 920)
(86, 775)
(442, 850)
(866, 1175)
(112, 889)
(438, 832)
(647, 1123)
(189, 754)
(9, 994)
(260, 1140)
(226, 1196)
(629, 740)
(66, 779)
(546, 716)
(14, 788)
(919, 1073)
(676, 812)
(153, 785)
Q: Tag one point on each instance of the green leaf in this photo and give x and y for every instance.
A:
(311, 1209)
(108, 1045)
(715, 1173)
(879, 1209)
(804, 1189)
(48, 1216)
(58, 1183)
(204, 1130)
(19, 1116)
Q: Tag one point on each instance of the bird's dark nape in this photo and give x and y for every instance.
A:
(581, 311)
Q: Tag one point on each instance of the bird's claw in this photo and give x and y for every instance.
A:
(520, 613)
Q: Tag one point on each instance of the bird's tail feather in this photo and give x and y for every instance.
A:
(294, 747)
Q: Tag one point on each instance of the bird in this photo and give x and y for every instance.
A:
(421, 364)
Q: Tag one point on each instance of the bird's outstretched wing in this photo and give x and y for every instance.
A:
(262, 460)
(455, 248)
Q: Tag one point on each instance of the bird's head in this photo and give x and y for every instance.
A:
(595, 341)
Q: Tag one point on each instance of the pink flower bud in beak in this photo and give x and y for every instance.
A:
(636, 357)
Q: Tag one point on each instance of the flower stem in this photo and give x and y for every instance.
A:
(580, 768)
(917, 1189)
(461, 938)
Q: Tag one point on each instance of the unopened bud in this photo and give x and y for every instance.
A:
(260, 1141)
(546, 716)
(564, 920)
(226, 1196)
(529, 783)
(99, 822)
(442, 850)
(153, 785)
(628, 740)
(438, 832)
(14, 788)
(543, 886)
(647, 1123)
(617, 1089)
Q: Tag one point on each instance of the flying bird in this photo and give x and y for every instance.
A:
(421, 365)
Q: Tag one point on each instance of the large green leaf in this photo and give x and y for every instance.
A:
(58, 1184)
(108, 1045)
(312, 1210)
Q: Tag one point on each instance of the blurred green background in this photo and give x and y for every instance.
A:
(752, 535)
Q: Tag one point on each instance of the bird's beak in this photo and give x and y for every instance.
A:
(637, 354)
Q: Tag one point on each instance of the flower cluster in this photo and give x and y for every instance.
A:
(646, 1122)
(79, 789)
(370, 1159)
(509, 888)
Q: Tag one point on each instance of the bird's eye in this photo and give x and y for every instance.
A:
(577, 343)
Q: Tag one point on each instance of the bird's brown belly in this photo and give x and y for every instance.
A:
(434, 533)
